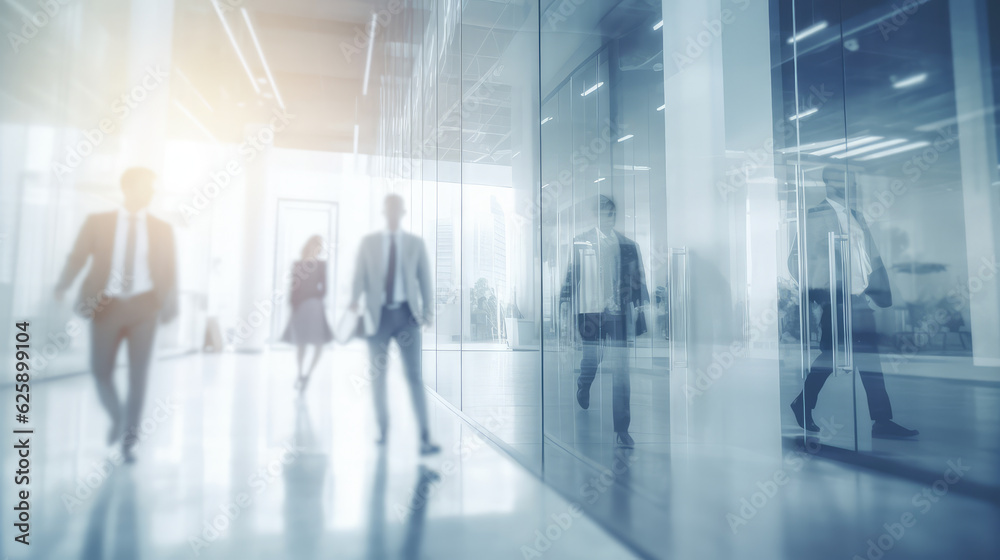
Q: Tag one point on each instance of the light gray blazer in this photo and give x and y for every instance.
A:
(369, 277)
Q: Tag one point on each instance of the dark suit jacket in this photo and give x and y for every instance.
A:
(821, 220)
(96, 243)
(308, 281)
(632, 285)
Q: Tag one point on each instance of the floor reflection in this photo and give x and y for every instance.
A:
(112, 530)
(304, 481)
(341, 496)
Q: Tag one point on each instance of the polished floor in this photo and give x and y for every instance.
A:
(235, 466)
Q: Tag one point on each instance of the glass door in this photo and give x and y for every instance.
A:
(890, 307)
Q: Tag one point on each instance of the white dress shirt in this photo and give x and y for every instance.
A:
(600, 274)
(610, 259)
(861, 265)
(398, 293)
(142, 280)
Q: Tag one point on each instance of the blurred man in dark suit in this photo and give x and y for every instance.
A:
(132, 281)
(606, 288)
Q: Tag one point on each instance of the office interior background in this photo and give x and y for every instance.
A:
(500, 122)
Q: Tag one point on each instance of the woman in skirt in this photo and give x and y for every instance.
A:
(308, 326)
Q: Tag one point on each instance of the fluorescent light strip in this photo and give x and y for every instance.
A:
(809, 31)
(546, 119)
(661, 107)
(260, 52)
(356, 130)
(592, 89)
(843, 145)
(911, 81)
(239, 53)
(599, 179)
(626, 137)
(804, 114)
(195, 120)
(869, 148)
(899, 150)
(658, 25)
(368, 57)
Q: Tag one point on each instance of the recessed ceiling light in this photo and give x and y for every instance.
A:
(899, 150)
(869, 148)
(843, 145)
(804, 114)
(911, 81)
(592, 89)
(807, 32)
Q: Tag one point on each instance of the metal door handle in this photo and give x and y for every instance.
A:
(847, 365)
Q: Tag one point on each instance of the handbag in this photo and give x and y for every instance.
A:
(352, 325)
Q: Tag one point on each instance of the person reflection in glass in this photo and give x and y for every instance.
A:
(606, 287)
(869, 284)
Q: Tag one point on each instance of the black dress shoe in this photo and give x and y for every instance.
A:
(803, 417)
(887, 429)
(622, 439)
(583, 396)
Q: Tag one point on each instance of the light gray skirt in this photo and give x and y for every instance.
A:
(308, 324)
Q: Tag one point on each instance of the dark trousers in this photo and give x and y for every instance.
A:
(132, 320)
(604, 345)
(398, 324)
(866, 356)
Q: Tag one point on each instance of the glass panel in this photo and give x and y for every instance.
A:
(922, 79)
(819, 232)
(605, 305)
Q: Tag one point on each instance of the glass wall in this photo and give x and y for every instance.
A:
(891, 114)
(604, 275)
(459, 139)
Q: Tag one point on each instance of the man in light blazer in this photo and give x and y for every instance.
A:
(394, 275)
(869, 283)
(132, 281)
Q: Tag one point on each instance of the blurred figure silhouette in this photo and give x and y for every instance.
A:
(606, 286)
(394, 276)
(132, 279)
(307, 325)
(869, 282)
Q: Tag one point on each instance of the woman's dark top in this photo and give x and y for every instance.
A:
(308, 281)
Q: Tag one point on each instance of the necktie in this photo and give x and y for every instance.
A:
(128, 270)
(390, 273)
